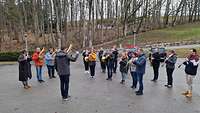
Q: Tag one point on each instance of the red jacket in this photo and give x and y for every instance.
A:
(39, 61)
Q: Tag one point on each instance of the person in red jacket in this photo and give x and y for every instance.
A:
(38, 58)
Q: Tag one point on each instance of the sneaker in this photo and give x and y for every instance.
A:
(139, 93)
(54, 77)
(66, 99)
(166, 85)
(154, 80)
(169, 86)
(133, 87)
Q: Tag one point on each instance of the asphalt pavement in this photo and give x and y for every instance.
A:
(96, 95)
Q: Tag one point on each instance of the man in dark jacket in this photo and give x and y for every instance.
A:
(155, 60)
(62, 65)
(24, 68)
(191, 67)
(140, 69)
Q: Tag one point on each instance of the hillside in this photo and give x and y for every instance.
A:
(180, 33)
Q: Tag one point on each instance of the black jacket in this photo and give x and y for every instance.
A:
(190, 68)
(124, 66)
(24, 68)
(156, 59)
(62, 63)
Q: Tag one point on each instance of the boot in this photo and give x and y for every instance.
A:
(189, 95)
(185, 93)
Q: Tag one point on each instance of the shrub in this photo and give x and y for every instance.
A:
(9, 56)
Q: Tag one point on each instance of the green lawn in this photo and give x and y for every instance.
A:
(187, 32)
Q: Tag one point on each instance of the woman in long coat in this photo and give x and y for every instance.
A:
(24, 69)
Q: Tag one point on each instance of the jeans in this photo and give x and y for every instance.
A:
(169, 76)
(92, 70)
(134, 79)
(109, 71)
(124, 75)
(64, 85)
(156, 71)
(51, 71)
(115, 66)
(39, 72)
(140, 80)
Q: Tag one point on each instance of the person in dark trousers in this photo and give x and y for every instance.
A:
(62, 66)
(109, 64)
(170, 66)
(191, 67)
(124, 67)
(92, 62)
(49, 60)
(115, 58)
(155, 60)
(102, 60)
(133, 70)
(85, 60)
(140, 70)
(24, 68)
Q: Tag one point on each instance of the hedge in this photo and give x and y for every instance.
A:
(9, 56)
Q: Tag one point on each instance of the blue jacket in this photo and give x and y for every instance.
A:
(49, 60)
(140, 64)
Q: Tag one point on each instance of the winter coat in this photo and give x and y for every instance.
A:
(140, 64)
(191, 65)
(156, 59)
(49, 60)
(115, 54)
(62, 63)
(123, 66)
(171, 61)
(38, 60)
(109, 61)
(24, 68)
(92, 59)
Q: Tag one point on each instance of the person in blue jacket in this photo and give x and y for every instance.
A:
(140, 69)
(49, 60)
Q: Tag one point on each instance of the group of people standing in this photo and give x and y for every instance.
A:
(58, 60)
(191, 64)
(109, 61)
(133, 62)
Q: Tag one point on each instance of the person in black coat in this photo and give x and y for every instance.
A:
(155, 62)
(24, 68)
